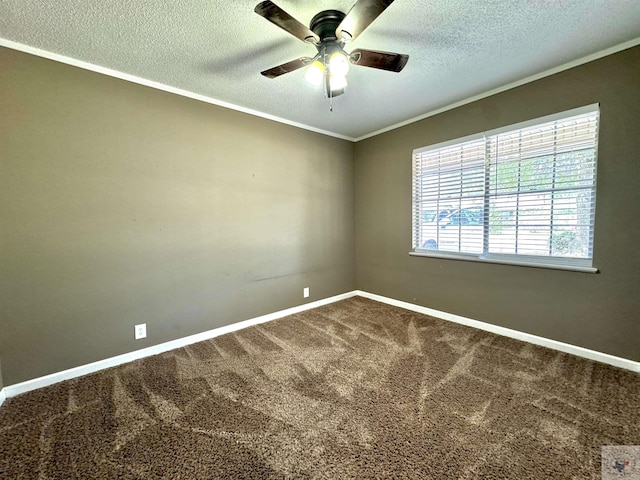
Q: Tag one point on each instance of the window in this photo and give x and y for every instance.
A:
(523, 194)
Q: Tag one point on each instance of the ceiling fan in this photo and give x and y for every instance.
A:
(329, 31)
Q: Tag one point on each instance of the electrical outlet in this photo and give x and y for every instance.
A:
(140, 331)
(305, 292)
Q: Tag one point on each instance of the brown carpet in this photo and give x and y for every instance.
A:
(355, 389)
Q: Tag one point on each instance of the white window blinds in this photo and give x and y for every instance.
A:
(523, 193)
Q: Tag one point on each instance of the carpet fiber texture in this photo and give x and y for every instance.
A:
(355, 389)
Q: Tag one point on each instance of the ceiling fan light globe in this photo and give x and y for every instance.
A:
(315, 73)
(339, 63)
(337, 82)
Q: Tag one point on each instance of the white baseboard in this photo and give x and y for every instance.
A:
(18, 388)
(507, 332)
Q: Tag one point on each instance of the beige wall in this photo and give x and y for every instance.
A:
(600, 311)
(122, 204)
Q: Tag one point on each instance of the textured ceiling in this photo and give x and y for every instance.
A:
(458, 49)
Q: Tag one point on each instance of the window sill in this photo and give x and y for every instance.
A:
(471, 258)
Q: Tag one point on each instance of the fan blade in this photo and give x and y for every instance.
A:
(282, 19)
(360, 17)
(287, 67)
(393, 62)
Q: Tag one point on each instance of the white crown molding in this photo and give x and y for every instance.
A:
(23, 387)
(167, 88)
(547, 73)
(159, 86)
(507, 332)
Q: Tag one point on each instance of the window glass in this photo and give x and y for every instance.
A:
(525, 192)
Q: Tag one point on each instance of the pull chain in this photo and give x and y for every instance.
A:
(327, 75)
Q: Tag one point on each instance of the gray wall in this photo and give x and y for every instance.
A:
(596, 311)
(122, 204)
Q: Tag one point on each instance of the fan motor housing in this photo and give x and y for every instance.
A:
(324, 25)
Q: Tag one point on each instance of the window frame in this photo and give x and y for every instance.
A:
(552, 262)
